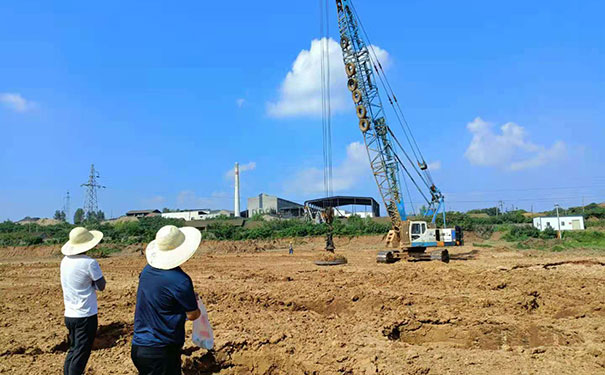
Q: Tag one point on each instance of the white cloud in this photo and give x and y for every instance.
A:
(435, 166)
(300, 92)
(511, 149)
(188, 199)
(240, 102)
(242, 168)
(344, 176)
(16, 102)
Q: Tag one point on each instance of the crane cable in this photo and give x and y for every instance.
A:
(386, 84)
(393, 98)
(326, 115)
(408, 157)
(405, 183)
(411, 178)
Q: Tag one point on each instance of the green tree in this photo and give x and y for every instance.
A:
(100, 215)
(59, 215)
(95, 217)
(79, 216)
(492, 211)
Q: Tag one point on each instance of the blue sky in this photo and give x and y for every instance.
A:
(506, 100)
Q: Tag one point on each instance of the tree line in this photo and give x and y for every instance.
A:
(80, 217)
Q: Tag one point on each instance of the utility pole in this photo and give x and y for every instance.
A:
(558, 222)
(91, 205)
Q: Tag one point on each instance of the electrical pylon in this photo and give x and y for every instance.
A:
(91, 205)
(66, 207)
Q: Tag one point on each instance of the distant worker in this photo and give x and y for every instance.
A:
(81, 277)
(291, 251)
(165, 300)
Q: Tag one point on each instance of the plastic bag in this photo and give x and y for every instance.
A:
(202, 330)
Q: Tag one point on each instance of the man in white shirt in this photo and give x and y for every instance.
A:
(81, 277)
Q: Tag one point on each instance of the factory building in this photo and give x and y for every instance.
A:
(269, 204)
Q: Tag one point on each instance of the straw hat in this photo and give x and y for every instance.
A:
(81, 240)
(172, 246)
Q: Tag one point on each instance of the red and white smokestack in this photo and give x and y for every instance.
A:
(236, 203)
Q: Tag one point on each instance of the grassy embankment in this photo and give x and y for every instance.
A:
(515, 226)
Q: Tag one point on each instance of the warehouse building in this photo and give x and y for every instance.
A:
(565, 222)
(269, 204)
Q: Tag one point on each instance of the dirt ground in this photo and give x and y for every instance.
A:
(505, 311)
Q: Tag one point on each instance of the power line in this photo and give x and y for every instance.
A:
(549, 199)
(528, 189)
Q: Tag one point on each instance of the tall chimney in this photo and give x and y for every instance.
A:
(236, 208)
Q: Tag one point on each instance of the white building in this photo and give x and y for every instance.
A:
(201, 214)
(187, 214)
(566, 222)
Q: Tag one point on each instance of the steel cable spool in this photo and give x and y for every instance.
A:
(352, 84)
(357, 96)
(364, 125)
(361, 111)
(344, 43)
(351, 70)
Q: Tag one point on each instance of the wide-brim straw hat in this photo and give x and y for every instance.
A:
(81, 240)
(172, 247)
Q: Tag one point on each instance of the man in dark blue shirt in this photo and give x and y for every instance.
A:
(165, 300)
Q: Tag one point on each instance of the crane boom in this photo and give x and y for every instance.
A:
(363, 77)
(370, 111)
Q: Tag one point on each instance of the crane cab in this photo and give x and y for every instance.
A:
(422, 236)
(418, 235)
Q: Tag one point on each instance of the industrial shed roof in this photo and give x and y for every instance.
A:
(341, 200)
(134, 212)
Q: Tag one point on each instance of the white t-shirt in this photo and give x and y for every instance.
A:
(77, 275)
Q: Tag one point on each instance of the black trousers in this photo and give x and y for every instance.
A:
(82, 333)
(156, 361)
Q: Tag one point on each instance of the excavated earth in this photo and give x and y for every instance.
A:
(491, 311)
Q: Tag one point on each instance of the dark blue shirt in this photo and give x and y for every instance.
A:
(163, 298)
